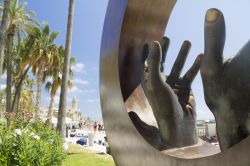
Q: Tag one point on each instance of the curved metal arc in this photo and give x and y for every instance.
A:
(128, 25)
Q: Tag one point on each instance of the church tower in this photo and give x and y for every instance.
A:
(74, 104)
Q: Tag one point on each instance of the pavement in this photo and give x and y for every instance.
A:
(95, 144)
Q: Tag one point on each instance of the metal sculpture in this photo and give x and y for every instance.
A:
(226, 84)
(171, 96)
(129, 24)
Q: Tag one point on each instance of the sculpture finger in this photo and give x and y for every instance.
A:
(192, 72)
(154, 59)
(164, 45)
(180, 60)
(214, 42)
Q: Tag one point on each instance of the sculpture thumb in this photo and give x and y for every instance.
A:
(214, 43)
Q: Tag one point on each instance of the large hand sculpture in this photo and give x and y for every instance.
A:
(226, 84)
(171, 97)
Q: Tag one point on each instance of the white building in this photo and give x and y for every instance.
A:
(72, 113)
(210, 129)
(206, 128)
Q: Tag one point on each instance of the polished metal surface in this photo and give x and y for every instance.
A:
(128, 25)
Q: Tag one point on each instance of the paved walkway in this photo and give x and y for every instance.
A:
(94, 145)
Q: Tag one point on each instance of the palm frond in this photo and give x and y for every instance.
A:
(53, 36)
(46, 30)
(21, 6)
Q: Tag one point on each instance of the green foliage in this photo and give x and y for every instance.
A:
(30, 144)
(26, 107)
(2, 97)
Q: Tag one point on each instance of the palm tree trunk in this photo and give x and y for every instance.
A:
(52, 99)
(16, 99)
(61, 124)
(10, 37)
(3, 28)
(39, 87)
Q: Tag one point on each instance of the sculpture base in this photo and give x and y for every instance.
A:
(201, 149)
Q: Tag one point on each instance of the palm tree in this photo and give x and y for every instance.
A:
(4, 23)
(20, 21)
(25, 58)
(61, 123)
(56, 72)
(46, 51)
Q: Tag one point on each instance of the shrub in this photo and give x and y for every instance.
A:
(30, 144)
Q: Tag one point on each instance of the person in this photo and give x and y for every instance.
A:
(67, 131)
(80, 125)
(95, 127)
(73, 128)
(99, 127)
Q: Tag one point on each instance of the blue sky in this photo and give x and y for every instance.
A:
(186, 23)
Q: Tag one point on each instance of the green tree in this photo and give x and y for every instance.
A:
(25, 58)
(20, 21)
(46, 50)
(55, 73)
(61, 123)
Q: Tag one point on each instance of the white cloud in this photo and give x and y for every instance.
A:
(80, 81)
(56, 99)
(89, 91)
(2, 86)
(78, 68)
(92, 100)
(74, 89)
